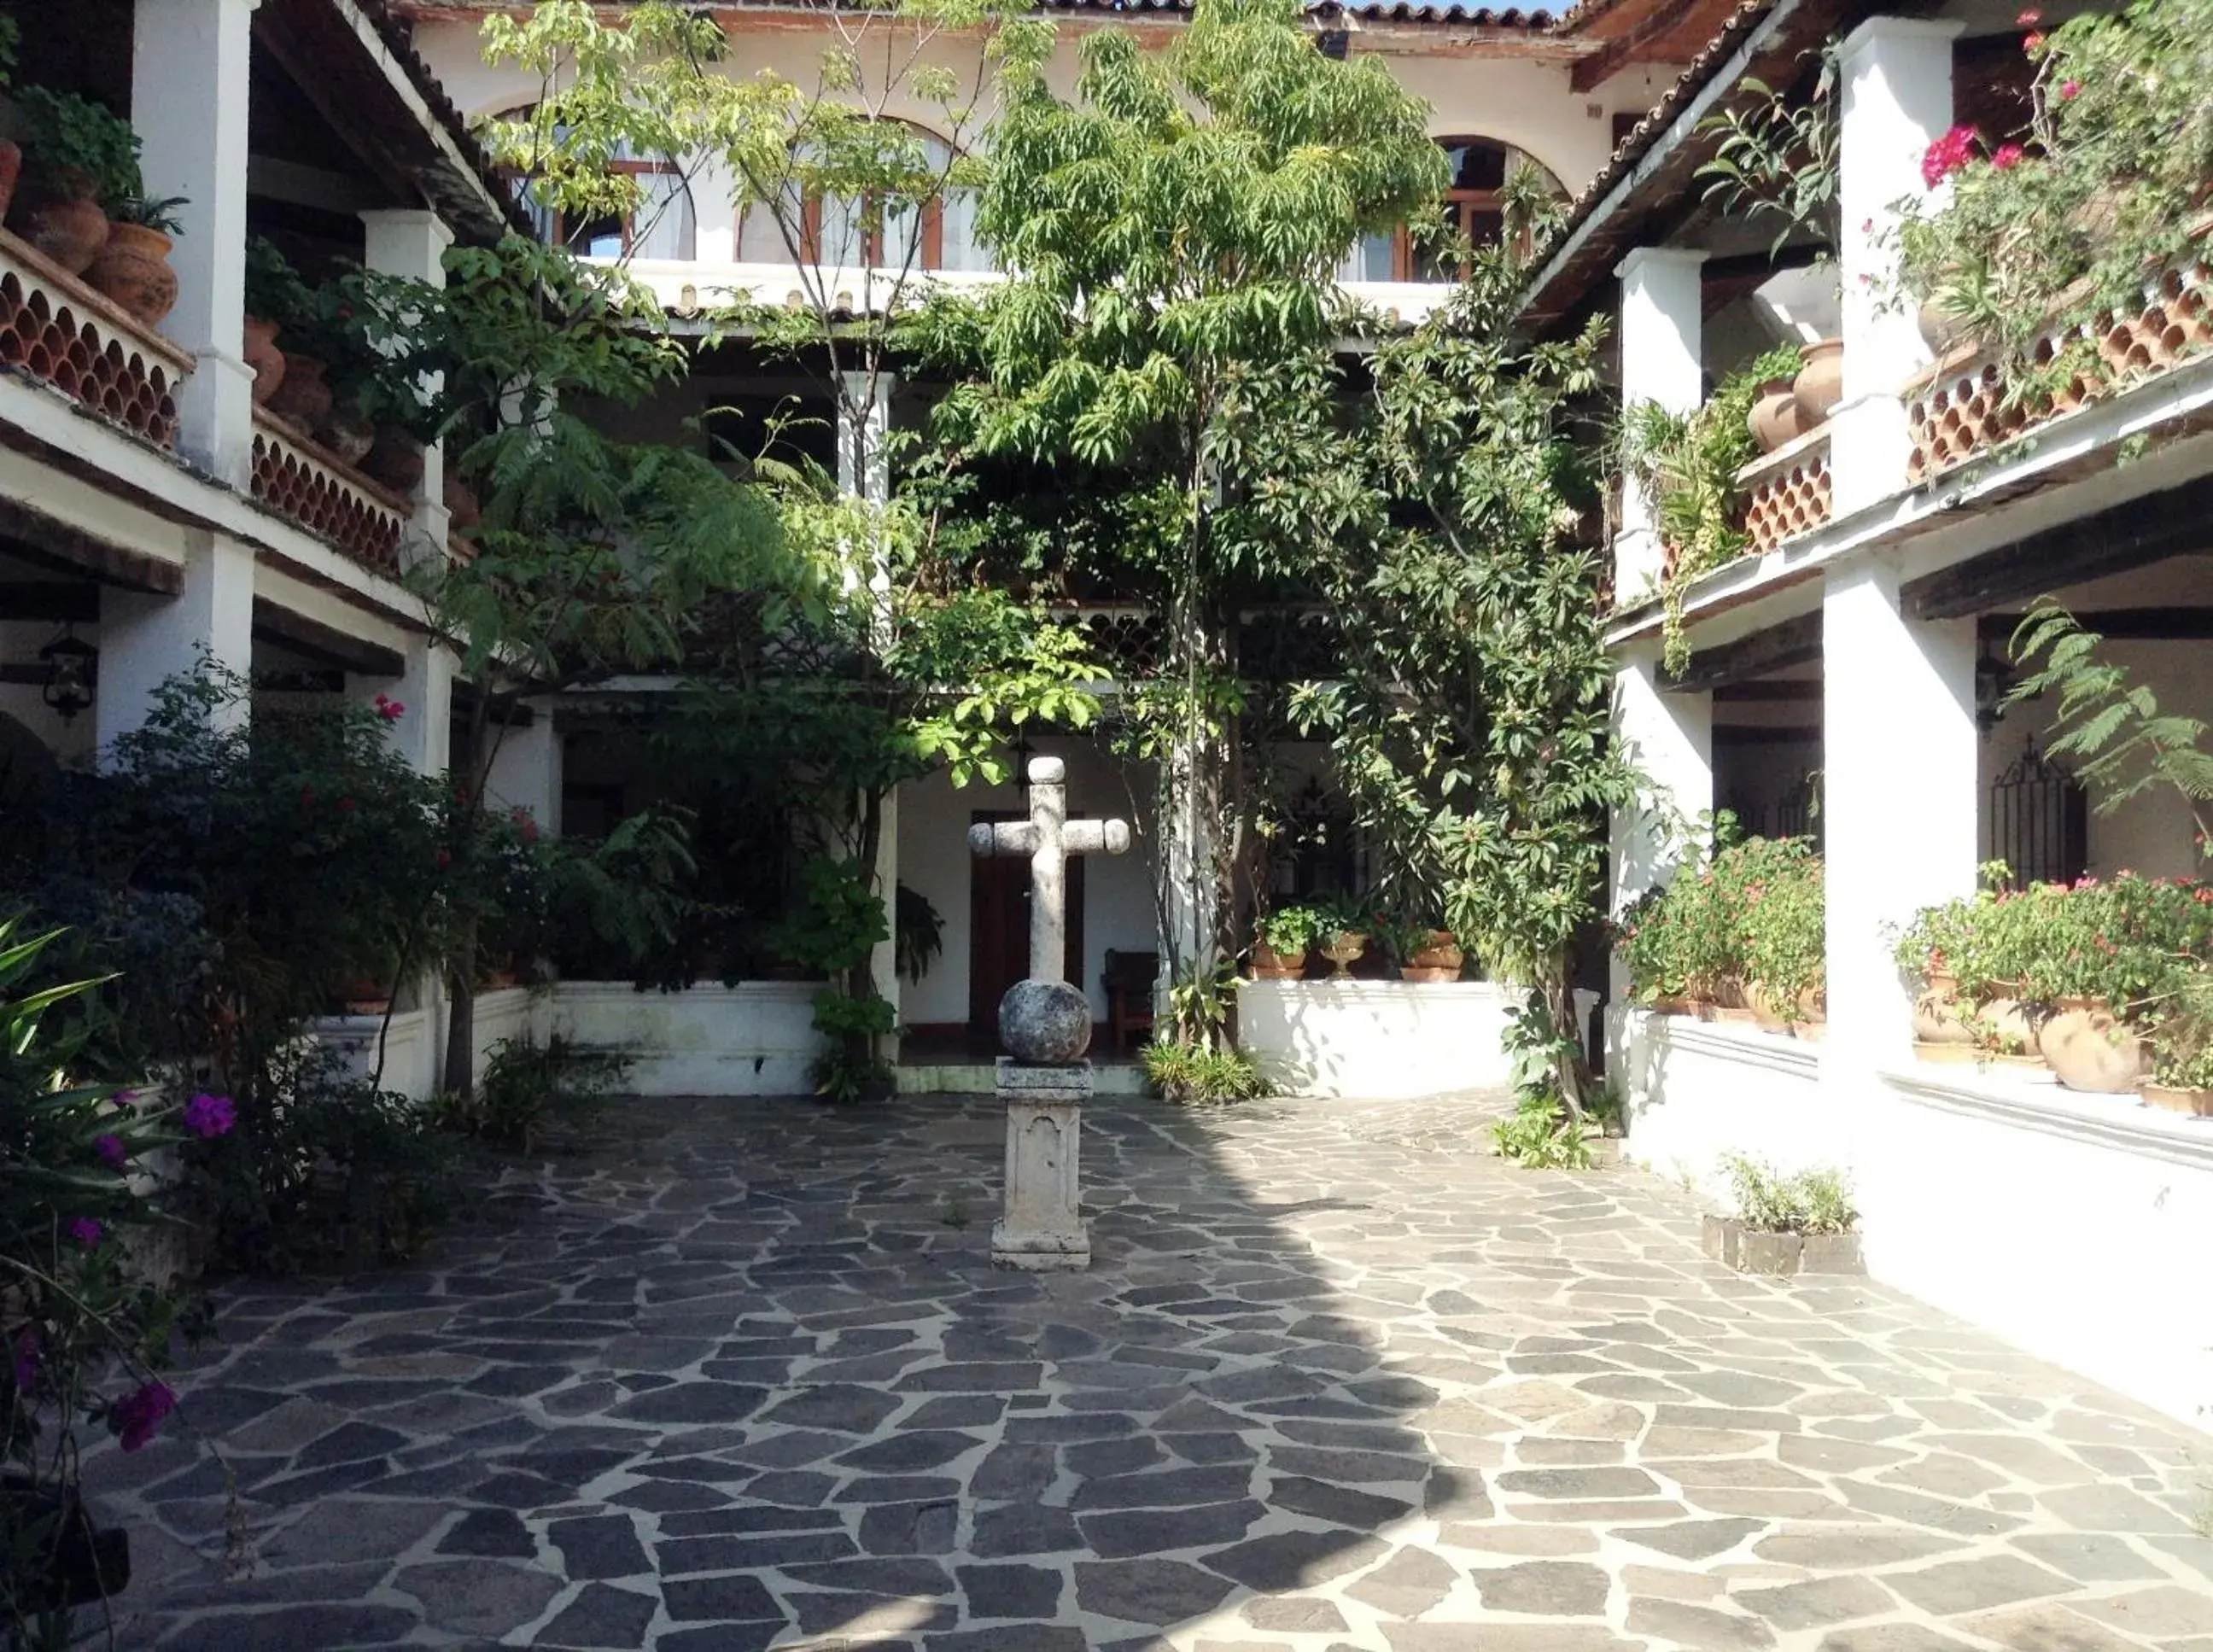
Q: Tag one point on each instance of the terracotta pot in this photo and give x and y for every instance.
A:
(2002, 1021)
(1938, 1018)
(69, 231)
(1269, 965)
(2196, 1103)
(2093, 1049)
(368, 998)
(1820, 385)
(347, 436)
(1438, 958)
(132, 268)
(1774, 419)
(1343, 947)
(302, 398)
(264, 357)
(461, 502)
(1671, 1004)
(397, 460)
(11, 168)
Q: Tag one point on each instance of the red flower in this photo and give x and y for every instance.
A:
(2008, 156)
(2030, 18)
(2069, 90)
(390, 709)
(445, 857)
(2033, 43)
(1949, 153)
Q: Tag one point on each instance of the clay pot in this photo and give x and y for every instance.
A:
(264, 357)
(70, 232)
(1671, 1004)
(1269, 965)
(368, 998)
(1438, 959)
(461, 503)
(2093, 1049)
(11, 168)
(1774, 419)
(2196, 1103)
(2005, 1021)
(302, 398)
(347, 436)
(1937, 1015)
(132, 268)
(396, 461)
(1820, 385)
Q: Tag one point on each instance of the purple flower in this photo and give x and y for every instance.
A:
(111, 1151)
(209, 1115)
(139, 1418)
(85, 1231)
(125, 1098)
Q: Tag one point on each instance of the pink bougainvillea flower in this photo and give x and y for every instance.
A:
(125, 1098)
(111, 1150)
(2069, 90)
(210, 1116)
(390, 709)
(445, 857)
(2032, 43)
(2030, 18)
(139, 1416)
(2008, 156)
(1949, 153)
(85, 1231)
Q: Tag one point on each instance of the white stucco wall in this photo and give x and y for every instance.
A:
(934, 861)
(754, 1039)
(2067, 1224)
(1378, 1039)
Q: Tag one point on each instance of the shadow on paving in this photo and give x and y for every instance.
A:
(745, 1377)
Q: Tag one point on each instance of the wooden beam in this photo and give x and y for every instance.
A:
(2156, 528)
(1756, 734)
(1767, 693)
(1793, 643)
(72, 603)
(325, 645)
(35, 537)
(2122, 624)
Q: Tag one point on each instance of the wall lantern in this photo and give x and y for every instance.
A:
(69, 665)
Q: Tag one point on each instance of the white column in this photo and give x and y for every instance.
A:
(1663, 320)
(1898, 791)
(189, 105)
(526, 769)
(145, 639)
(715, 212)
(412, 243)
(864, 419)
(1669, 738)
(1897, 100)
(883, 962)
(424, 730)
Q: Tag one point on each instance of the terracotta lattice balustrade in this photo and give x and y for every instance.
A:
(1961, 409)
(296, 477)
(1787, 492)
(57, 330)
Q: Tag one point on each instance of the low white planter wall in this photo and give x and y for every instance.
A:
(755, 1038)
(1384, 1040)
(411, 1040)
(510, 1014)
(2069, 1225)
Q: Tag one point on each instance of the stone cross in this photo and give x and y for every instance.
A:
(1045, 1022)
(1049, 838)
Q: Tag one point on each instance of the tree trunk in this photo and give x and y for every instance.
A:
(460, 1074)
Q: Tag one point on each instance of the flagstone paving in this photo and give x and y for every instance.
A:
(744, 1378)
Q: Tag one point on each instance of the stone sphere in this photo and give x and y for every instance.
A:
(1044, 1021)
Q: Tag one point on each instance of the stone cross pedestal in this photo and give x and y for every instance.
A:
(1044, 1024)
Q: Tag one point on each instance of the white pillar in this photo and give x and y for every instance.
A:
(526, 769)
(883, 962)
(413, 243)
(1662, 319)
(189, 107)
(864, 419)
(1896, 101)
(1669, 738)
(1900, 792)
(714, 192)
(145, 639)
(424, 730)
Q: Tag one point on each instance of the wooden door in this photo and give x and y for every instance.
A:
(999, 931)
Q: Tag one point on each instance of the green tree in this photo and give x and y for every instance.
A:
(1175, 230)
(1469, 722)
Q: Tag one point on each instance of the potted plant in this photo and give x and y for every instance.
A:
(1282, 940)
(1424, 952)
(1786, 1224)
(133, 265)
(1784, 939)
(1344, 930)
(274, 293)
(77, 156)
(2182, 1066)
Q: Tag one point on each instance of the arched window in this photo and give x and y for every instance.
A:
(664, 226)
(940, 235)
(1473, 207)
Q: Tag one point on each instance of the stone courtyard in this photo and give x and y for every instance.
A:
(743, 1378)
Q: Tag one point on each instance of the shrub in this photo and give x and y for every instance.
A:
(1288, 932)
(1814, 1201)
(1539, 1135)
(528, 1089)
(1192, 1072)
